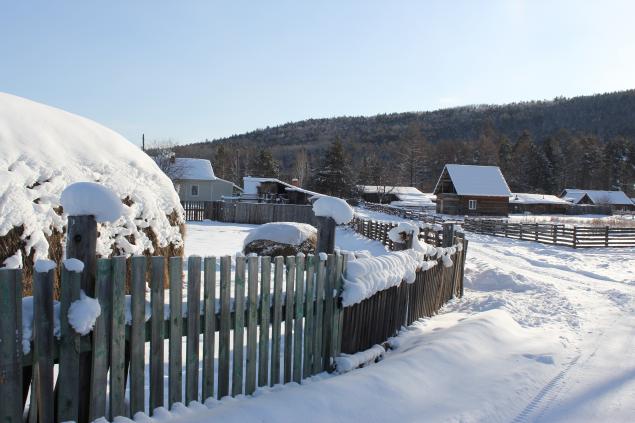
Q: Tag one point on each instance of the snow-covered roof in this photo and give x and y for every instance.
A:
(200, 169)
(525, 198)
(44, 149)
(617, 198)
(251, 184)
(486, 181)
(410, 195)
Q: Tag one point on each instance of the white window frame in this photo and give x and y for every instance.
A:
(198, 190)
(471, 204)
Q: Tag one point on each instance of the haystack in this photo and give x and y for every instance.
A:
(44, 149)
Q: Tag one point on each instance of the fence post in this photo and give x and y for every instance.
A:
(448, 234)
(43, 327)
(326, 235)
(575, 237)
(11, 345)
(81, 244)
(606, 236)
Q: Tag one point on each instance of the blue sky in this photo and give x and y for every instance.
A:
(190, 70)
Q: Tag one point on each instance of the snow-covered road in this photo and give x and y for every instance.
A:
(543, 334)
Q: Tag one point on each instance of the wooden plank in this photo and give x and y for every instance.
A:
(11, 345)
(209, 336)
(239, 326)
(193, 328)
(309, 320)
(252, 320)
(118, 338)
(175, 354)
(318, 362)
(137, 331)
(157, 334)
(277, 321)
(299, 315)
(99, 372)
(337, 309)
(265, 307)
(288, 319)
(225, 326)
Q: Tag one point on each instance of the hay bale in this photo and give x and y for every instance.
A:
(281, 239)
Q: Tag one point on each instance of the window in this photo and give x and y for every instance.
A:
(194, 190)
(471, 204)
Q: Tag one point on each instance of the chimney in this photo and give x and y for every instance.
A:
(295, 182)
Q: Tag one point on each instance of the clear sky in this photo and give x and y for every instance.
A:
(186, 70)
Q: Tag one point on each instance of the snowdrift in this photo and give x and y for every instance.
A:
(44, 149)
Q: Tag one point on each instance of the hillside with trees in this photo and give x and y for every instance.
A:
(541, 146)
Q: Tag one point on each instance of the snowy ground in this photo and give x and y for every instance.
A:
(542, 334)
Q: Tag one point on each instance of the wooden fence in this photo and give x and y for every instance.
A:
(404, 213)
(576, 236)
(251, 213)
(284, 329)
(378, 230)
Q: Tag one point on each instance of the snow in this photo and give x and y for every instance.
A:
(45, 149)
(83, 313)
(477, 180)
(91, 199)
(365, 277)
(44, 266)
(27, 322)
(335, 208)
(524, 198)
(395, 234)
(200, 169)
(347, 362)
(597, 197)
(74, 265)
(290, 233)
(13, 262)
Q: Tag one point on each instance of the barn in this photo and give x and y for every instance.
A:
(472, 190)
(537, 204)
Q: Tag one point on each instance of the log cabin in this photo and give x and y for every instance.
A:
(472, 190)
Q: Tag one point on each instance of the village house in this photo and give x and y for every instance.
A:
(537, 204)
(194, 180)
(399, 196)
(615, 200)
(472, 190)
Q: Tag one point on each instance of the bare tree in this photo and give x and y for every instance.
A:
(163, 154)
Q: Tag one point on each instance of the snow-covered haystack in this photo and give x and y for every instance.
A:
(44, 150)
(281, 239)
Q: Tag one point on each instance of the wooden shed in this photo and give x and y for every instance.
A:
(537, 204)
(472, 190)
(272, 190)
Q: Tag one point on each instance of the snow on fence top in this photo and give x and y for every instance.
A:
(45, 149)
(335, 208)
(89, 198)
(290, 233)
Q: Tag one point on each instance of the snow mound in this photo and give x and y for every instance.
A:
(83, 313)
(333, 207)
(74, 265)
(89, 198)
(290, 233)
(44, 150)
(347, 362)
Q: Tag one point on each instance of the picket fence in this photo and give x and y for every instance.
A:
(289, 325)
(250, 213)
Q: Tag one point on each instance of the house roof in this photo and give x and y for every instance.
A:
(597, 196)
(483, 181)
(200, 169)
(410, 195)
(525, 198)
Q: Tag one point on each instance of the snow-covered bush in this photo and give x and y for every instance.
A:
(44, 150)
(281, 239)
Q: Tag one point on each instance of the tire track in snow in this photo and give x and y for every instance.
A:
(546, 395)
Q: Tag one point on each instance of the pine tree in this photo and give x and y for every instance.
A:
(264, 165)
(334, 176)
(221, 163)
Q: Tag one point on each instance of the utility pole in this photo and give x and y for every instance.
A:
(143, 142)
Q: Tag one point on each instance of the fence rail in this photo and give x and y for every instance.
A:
(378, 230)
(576, 236)
(421, 216)
(250, 213)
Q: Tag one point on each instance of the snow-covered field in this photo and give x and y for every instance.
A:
(542, 334)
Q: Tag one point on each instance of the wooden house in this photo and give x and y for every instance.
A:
(472, 190)
(194, 180)
(615, 200)
(537, 204)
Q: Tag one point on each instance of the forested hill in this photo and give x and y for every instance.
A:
(449, 134)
